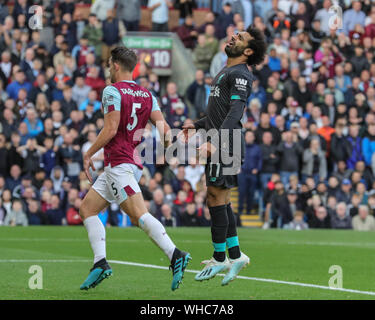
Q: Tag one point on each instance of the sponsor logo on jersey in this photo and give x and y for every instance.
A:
(138, 93)
(215, 91)
(242, 82)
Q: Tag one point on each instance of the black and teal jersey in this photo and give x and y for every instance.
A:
(229, 92)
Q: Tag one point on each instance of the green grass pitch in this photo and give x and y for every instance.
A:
(292, 256)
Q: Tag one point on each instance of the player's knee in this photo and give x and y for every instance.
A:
(213, 199)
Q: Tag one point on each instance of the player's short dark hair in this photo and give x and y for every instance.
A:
(258, 45)
(124, 57)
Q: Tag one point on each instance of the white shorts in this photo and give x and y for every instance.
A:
(118, 183)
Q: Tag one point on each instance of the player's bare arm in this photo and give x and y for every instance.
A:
(157, 119)
(111, 123)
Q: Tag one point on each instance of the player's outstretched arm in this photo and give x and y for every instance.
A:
(111, 123)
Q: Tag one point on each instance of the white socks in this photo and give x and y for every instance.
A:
(96, 232)
(156, 231)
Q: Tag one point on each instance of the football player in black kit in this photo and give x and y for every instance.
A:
(229, 92)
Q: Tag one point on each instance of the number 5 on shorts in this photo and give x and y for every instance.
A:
(114, 189)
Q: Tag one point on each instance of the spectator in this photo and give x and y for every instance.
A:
(3, 156)
(359, 61)
(72, 215)
(202, 54)
(19, 83)
(16, 217)
(320, 220)
(205, 219)
(289, 153)
(160, 14)
(363, 221)
(31, 153)
(264, 126)
(324, 15)
(70, 157)
(368, 144)
(92, 99)
(339, 145)
(189, 216)
(94, 34)
(114, 30)
(188, 33)
(35, 216)
(186, 8)
(355, 143)
(198, 93)
(34, 125)
(341, 220)
(80, 91)
(55, 214)
(95, 82)
(171, 100)
(167, 218)
(280, 209)
(370, 28)
(248, 178)
(48, 160)
(245, 9)
(15, 177)
(2, 213)
(353, 16)
(345, 193)
(103, 9)
(81, 50)
(270, 159)
(179, 205)
(130, 13)
(314, 162)
(297, 223)
(225, 19)
(156, 204)
(193, 172)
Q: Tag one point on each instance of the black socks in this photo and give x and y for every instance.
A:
(219, 227)
(232, 238)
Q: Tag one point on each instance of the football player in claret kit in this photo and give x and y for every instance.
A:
(229, 93)
(127, 109)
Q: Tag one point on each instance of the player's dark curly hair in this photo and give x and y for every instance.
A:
(258, 45)
(124, 57)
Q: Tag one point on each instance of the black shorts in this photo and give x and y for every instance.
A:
(215, 177)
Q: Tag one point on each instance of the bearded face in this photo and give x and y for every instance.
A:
(234, 50)
(237, 45)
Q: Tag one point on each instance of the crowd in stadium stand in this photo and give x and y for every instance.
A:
(309, 123)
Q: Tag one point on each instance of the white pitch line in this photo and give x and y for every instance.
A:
(152, 266)
(250, 278)
(43, 260)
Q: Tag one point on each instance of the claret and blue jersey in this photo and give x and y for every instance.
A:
(135, 104)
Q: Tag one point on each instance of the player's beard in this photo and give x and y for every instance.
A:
(234, 51)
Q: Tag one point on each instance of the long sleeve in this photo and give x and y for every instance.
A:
(200, 124)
